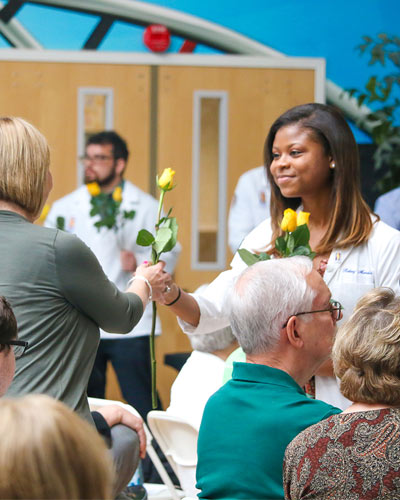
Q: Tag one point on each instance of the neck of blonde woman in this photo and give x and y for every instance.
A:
(12, 207)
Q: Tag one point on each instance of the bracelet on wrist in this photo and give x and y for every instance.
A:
(176, 300)
(142, 278)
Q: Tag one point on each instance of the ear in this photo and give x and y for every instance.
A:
(292, 332)
(120, 166)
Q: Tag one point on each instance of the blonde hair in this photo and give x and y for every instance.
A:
(49, 452)
(366, 351)
(24, 164)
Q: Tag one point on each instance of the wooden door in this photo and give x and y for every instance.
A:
(46, 94)
(255, 98)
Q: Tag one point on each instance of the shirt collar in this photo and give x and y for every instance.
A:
(250, 372)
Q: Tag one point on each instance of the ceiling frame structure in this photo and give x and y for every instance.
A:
(180, 24)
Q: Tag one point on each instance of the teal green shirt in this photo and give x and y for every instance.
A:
(246, 427)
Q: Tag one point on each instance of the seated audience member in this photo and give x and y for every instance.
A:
(201, 375)
(283, 318)
(198, 379)
(10, 347)
(122, 431)
(356, 454)
(49, 452)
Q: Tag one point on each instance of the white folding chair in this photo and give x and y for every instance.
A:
(154, 491)
(178, 441)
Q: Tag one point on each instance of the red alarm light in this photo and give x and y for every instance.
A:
(157, 38)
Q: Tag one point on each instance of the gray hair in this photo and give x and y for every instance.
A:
(264, 296)
(211, 342)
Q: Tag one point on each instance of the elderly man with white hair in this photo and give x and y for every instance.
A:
(283, 317)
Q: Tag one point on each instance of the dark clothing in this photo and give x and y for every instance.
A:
(131, 361)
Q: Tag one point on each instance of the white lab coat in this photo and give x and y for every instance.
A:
(107, 243)
(249, 206)
(350, 273)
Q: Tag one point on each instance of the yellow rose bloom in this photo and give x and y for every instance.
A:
(93, 188)
(117, 194)
(289, 221)
(165, 182)
(44, 214)
(302, 218)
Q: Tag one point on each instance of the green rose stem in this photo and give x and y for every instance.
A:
(164, 240)
(155, 258)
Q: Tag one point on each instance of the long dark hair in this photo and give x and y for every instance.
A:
(351, 222)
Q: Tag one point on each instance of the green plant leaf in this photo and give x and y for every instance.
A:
(129, 215)
(290, 244)
(247, 257)
(173, 225)
(280, 245)
(144, 238)
(162, 239)
(301, 235)
(302, 250)
(60, 223)
(264, 256)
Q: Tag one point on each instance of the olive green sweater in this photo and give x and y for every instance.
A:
(60, 297)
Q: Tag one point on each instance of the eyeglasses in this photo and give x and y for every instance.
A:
(335, 309)
(99, 159)
(19, 347)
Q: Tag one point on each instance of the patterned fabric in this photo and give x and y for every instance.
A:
(348, 456)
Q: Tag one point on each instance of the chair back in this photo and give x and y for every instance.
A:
(178, 441)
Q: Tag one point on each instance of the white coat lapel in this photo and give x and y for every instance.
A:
(335, 262)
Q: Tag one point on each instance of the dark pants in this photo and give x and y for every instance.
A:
(130, 359)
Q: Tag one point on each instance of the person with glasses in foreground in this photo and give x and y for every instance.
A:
(10, 347)
(282, 315)
(312, 164)
(46, 451)
(355, 454)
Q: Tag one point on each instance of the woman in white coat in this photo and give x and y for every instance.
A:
(312, 164)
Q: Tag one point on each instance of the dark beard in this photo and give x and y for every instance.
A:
(105, 181)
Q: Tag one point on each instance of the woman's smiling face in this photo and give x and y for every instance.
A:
(300, 165)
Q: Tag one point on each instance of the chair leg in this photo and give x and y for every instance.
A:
(161, 470)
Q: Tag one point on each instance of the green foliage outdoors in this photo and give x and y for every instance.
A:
(382, 92)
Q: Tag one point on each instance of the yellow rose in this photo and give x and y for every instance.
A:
(289, 221)
(117, 194)
(165, 182)
(44, 214)
(302, 218)
(93, 188)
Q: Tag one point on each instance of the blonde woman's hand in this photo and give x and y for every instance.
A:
(156, 276)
